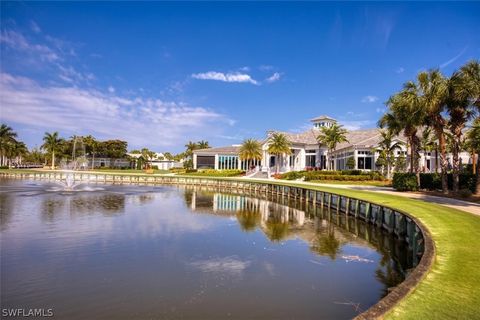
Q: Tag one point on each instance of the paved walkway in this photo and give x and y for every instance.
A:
(467, 206)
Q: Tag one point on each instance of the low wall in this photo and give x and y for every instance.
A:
(404, 225)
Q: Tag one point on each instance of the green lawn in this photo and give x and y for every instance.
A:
(364, 183)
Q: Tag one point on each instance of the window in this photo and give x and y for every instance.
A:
(364, 163)
(310, 161)
(205, 162)
(311, 151)
(227, 162)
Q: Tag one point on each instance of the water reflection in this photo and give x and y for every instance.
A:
(128, 252)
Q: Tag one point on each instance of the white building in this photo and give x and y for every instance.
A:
(308, 153)
(159, 161)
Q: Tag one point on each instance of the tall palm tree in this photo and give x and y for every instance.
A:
(148, 156)
(427, 144)
(203, 144)
(52, 143)
(387, 147)
(434, 89)
(250, 150)
(7, 137)
(473, 141)
(461, 104)
(17, 150)
(406, 115)
(331, 137)
(191, 146)
(279, 145)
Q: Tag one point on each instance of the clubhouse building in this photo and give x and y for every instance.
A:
(308, 154)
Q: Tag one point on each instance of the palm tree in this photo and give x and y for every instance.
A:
(17, 150)
(461, 104)
(7, 136)
(473, 141)
(406, 114)
(331, 137)
(203, 144)
(434, 87)
(250, 150)
(427, 144)
(148, 156)
(52, 143)
(190, 147)
(279, 145)
(387, 147)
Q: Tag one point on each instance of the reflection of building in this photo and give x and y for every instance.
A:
(308, 153)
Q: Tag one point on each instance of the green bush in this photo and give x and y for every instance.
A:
(344, 175)
(215, 173)
(433, 181)
(405, 181)
(4, 167)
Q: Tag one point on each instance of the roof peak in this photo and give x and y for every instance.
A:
(322, 117)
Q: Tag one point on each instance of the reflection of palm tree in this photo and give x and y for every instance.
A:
(327, 244)
(276, 229)
(248, 219)
(389, 276)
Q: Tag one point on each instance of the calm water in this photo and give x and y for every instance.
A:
(125, 252)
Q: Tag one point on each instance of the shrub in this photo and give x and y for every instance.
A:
(433, 181)
(4, 167)
(465, 193)
(405, 181)
(215, 173)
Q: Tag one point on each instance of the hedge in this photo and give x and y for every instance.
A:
(433, 181)
(216, 173)
(344, 175)
(405, 181)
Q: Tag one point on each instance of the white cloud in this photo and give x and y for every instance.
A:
(274, 77)
(111, 89)
(369, 99)
(446, 63)
(225, 77)
(400, 70)
(230, 265)
(381, 110)
(140, 121)
(358, 124)
(34, 26)
(17, 41)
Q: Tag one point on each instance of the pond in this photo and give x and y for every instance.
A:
(123, 252)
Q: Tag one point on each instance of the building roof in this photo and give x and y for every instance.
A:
(367, 138)
(219, 150)
(322, 117)
(307, 137)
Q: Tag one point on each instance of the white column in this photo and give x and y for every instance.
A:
(301, 162)
(216, 162)
(194, 161)
(355, 156)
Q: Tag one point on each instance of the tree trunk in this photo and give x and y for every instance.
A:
(443, 159)
(53, 160)
(456, 160)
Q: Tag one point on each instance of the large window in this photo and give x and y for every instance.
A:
(364, 163)
(205, 162)
(227, 162)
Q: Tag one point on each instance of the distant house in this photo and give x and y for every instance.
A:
(308, 153)
(159, 161)
(101, 162)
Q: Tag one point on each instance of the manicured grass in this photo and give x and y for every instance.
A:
(365, 183)
(117, 171)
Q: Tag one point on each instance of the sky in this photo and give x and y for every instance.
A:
(160, 74)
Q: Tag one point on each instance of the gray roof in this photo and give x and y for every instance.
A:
(307, 137)
(322, 117)
(219, 150)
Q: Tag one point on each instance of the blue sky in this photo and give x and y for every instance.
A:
(160, 74)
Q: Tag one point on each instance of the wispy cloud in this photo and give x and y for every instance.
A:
(111, 89)
(71, 109)
(381, 110)
(266, 67)
(225, 77)
(273, 78)
(369, 99)
(446, 63)
(34, 26)
(231, 265)
(17, 41)
(400, 70)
